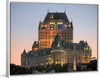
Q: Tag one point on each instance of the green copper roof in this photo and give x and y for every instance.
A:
(57, 42)
(57, 45)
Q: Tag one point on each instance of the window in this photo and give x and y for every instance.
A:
(69, 25)
(51, 26)
(59, 26)
(47, 26)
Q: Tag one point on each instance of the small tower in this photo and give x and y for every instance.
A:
(65, 11)
(48, 10)
(35, 46)
(23, 59)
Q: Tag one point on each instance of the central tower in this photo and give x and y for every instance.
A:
(54, 24)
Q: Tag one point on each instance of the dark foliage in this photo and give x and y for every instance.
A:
(57, 68)
(15, 70)
(92, 65)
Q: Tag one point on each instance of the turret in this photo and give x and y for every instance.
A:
(23, 59)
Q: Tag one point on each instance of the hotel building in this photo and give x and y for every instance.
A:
(55, 44)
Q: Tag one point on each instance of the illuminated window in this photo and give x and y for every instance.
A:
(47, 26)
(51, 26)
(69, 25)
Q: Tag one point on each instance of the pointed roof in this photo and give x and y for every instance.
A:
(35, 44)
(24, 52)
(57, 42)
(86, 46)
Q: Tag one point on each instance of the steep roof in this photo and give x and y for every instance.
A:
(84, 44)
(42, 52)
(35, 44)
(81, 45)
(24, 52)
(56, 16)
(73, 46)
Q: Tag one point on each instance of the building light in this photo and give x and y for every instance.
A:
(62, 26)
(69, 25)
(47, 26)
(56, 26)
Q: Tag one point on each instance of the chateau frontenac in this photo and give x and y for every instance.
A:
(55, 44)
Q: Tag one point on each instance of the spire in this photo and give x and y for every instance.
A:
(65, 11)
(48, 10)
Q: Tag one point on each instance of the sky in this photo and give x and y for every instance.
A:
(25, 19)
